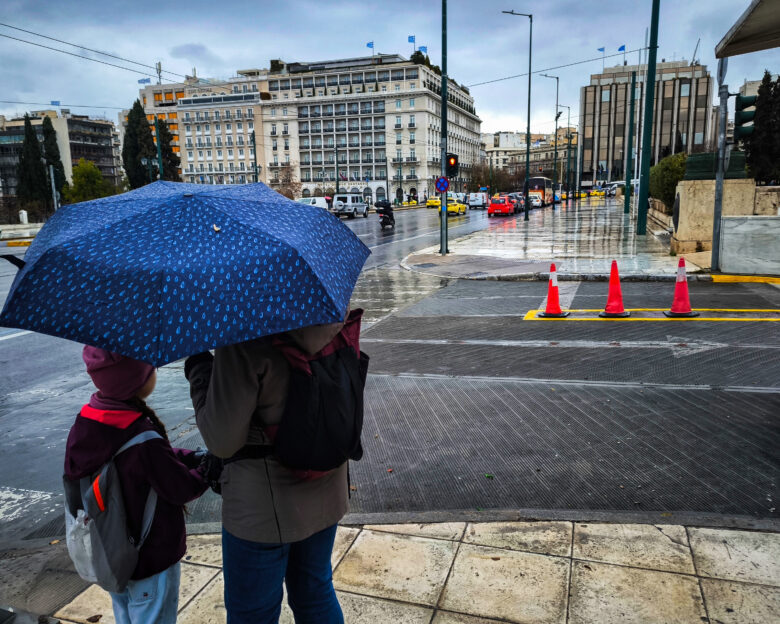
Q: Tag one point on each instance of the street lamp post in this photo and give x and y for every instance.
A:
(568, 149)
(555, 152)
(528, 124)
(147, 162)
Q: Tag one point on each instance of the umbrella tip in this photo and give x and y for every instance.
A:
(187, 195)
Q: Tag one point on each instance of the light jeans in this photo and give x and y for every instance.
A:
(153, 599)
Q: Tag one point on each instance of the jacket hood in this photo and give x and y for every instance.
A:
(91, 443)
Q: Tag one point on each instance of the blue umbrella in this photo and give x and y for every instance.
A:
(173, 269)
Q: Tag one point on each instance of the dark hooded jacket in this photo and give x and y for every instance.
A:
(95, 436)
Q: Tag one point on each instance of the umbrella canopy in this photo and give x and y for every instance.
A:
(172, 269)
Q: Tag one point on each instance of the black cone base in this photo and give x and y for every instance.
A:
(671, 314)
(548, 315)
(622, 314)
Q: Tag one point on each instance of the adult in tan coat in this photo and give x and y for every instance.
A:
(279, 525)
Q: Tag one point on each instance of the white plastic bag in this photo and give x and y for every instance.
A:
(79, 539)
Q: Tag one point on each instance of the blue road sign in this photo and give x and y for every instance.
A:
(442, 184)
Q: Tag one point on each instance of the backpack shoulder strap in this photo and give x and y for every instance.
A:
(151, 500)
(142, 437)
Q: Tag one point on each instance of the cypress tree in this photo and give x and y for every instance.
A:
(51, 152)
(138, 144)
(761, 147)
(170, 160)
(32, 183)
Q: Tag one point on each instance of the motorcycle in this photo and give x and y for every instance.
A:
(385, 212)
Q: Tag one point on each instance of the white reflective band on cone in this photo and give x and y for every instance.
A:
(554, 279)
(681, 273)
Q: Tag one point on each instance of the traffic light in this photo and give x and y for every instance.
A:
(451, 170)
(742, 116)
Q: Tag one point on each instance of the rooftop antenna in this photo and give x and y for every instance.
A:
(158, 69)
(695, 50)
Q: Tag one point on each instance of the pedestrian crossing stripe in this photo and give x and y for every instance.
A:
(533, 315)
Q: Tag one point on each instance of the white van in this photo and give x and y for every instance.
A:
(313, 201)
(478, 200)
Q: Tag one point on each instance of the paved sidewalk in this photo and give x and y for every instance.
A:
(582, 238)
(544, 572)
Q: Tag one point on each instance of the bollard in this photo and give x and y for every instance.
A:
(23, 217)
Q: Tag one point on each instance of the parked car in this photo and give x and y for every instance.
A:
(433, 202)
(478, 200)
(313, 201)
(350, 204)
(500, 206)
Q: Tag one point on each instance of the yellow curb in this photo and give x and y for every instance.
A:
(532, 315)
(17, 243)
(746, 278)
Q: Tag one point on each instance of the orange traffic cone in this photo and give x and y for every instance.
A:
(681, 306)
(614, 307)
(553, 309)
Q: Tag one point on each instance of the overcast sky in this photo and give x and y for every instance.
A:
(219, 37)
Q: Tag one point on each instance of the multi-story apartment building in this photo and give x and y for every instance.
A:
(78, 136)
(682, 116)
(212, 123)
(507, 151)
(369, 125)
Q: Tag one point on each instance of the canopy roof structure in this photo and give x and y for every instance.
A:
(758, 28)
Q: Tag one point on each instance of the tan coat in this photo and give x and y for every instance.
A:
(262, 501)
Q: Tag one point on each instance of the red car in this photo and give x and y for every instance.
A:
(501, 206)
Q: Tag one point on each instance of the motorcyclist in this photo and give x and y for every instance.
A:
(384, 207)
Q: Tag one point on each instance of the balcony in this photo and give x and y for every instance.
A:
(368, 161)
(366, 144)
(379, 127)
(303, 130)
(411, 124)
(380, 143)
(340, 113)
(380, 160)
(285, 132)
(412, 176)
(354, 161)
(354, 128)
(314, 114)
(398, 141)
(380, 177)
(398, 178)
(398, 126)
(397, 161)
(273, 133)
(274, 164)
(412, 159)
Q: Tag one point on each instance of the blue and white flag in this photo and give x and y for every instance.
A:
(423, 49)
(601, 49)
(622, 48)
(144, 81)
(411, 38)
(370, 44)
(55, 103)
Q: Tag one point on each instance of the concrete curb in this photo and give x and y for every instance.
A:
(563, 277)
(722, 521)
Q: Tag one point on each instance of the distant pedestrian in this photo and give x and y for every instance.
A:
(116, 413)
(279, 524)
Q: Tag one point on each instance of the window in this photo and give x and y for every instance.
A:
(251, 125)
(188, 129)
(320, 91)
(285, 128)
(412, 85)
(284, 111)
(411, 138)
(287, 144)
(200, 154)
(286, 96)
(274, 145)
(273, 112)
(229, 127)
(239, 125)
(685, 89)
(384, 88)
(217, 128)
(219, 153)
(189, 155)
(411, 102)
(398, 104)
(230, 153)
(397, 87)
(605, 95)
(241, 153)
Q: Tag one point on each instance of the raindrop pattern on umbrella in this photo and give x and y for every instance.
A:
(172, 269)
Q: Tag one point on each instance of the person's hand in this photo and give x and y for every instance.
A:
(211, 469)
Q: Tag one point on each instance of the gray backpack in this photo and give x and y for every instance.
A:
(98, 539)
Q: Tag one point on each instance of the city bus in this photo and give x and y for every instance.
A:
(542, 188)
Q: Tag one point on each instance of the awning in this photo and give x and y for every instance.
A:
(758, 28)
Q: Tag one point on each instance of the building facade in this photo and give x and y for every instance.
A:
(369, 125)
(507, 151)
(682, 116)
(78, 136)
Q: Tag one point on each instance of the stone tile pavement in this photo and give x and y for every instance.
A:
(545, 572)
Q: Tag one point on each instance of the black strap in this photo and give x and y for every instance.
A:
(251, 451)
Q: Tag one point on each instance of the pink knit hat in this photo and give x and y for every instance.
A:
(116, 376)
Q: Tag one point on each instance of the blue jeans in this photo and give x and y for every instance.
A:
(153, 599)
(254, 573)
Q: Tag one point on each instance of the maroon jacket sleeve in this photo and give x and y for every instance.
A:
(169, 477)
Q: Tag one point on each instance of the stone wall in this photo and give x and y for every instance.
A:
(767, 201)
(697, 201)
(750, 245)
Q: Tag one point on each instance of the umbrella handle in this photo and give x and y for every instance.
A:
(15, 260)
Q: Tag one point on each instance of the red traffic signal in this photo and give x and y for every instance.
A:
(451, 168)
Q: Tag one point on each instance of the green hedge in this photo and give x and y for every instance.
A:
(665, 176)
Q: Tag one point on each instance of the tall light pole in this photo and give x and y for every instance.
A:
(568, 148)
(528, 124)
(647, 131)
(555, 152)
(443, 247)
